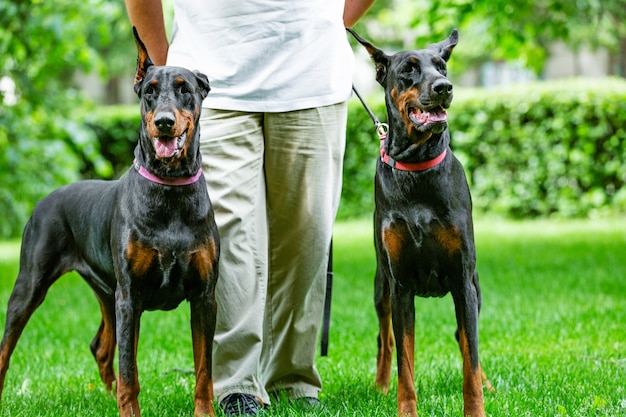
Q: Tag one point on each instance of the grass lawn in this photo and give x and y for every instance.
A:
(553, 334)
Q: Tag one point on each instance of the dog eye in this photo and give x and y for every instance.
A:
(150, 90)
(185, 89)
(411, 68)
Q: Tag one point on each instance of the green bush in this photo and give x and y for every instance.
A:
(530, 150)
(554, 148)
(117, 130)
(43, 141)
(41, 149)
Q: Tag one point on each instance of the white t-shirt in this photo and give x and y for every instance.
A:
(265, 55)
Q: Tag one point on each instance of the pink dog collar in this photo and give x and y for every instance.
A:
(166, 181)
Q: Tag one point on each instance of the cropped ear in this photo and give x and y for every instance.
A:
(203, 84)
(143, 62)
(381, 60)
(445, 47)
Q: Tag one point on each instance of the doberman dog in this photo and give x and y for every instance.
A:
(144, 242)
(423, 219)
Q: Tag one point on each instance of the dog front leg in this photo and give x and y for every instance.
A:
(128, 317)
(403, 317)
(385, 332)
(467, 306)
(203, 313)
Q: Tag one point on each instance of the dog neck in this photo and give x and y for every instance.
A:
(173, 181)
(409, 166)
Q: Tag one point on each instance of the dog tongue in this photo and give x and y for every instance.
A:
(425, 117)
(165, 147)
(440, 116)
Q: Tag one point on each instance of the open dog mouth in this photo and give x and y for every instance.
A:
(423, 118)
(168, 146)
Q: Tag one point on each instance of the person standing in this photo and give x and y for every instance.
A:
(272, 143)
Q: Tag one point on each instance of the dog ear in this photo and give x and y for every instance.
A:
(143, 62)
(381, 60)
(445, 47)
(203, 84)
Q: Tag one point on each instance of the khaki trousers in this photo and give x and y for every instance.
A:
(275, 183)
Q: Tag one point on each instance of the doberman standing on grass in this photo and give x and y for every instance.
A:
(423, 219)
(145, 242)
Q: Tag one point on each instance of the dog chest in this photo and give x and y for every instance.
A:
(426, 257)
(166, 275)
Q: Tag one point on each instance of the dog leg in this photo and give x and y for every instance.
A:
(403, 313)
(385, 335)
(103, 345)
(485, 381)
(467, 306)
(203, 313)
(31, 286)
(127, 329)
(203, 319)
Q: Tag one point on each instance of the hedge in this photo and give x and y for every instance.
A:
(117, 130)
(539, 149)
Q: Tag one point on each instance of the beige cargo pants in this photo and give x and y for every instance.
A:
(275, 182)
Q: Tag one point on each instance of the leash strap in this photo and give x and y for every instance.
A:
(367, 109)
(327, 301)
(381, 128)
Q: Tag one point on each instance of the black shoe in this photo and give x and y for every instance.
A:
(241, 405)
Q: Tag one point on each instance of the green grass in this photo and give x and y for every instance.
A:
(553, 334)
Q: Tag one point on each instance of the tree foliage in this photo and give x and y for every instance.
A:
(43, 142)
(504, 30)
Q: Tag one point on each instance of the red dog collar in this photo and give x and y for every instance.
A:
(404, 166)
(166, 181)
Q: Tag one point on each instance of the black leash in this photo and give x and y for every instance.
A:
(367, 109)
(327, 300)
(381, 130)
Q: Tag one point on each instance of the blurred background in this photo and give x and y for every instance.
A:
(538, 120)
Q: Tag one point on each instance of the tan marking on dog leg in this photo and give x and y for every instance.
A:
(385, 354)
(103, 349)
(393, 241)
(127, 400)
(472, 381)
(204, 259)
(203, 314)
(449, 238)
(140, 257)
(407, 398)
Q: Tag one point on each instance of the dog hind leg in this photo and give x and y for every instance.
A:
(103, 345)
(38, 271)
(385, 336)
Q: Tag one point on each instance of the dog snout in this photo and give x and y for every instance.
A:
(442, 88)
(164, 121)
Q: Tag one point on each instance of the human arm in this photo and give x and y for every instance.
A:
(147, 17)
(353, 10)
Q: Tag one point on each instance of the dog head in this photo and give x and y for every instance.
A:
(416, 88)
(171, 101)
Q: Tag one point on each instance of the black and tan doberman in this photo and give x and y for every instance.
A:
(423, 219)
(147, 241)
